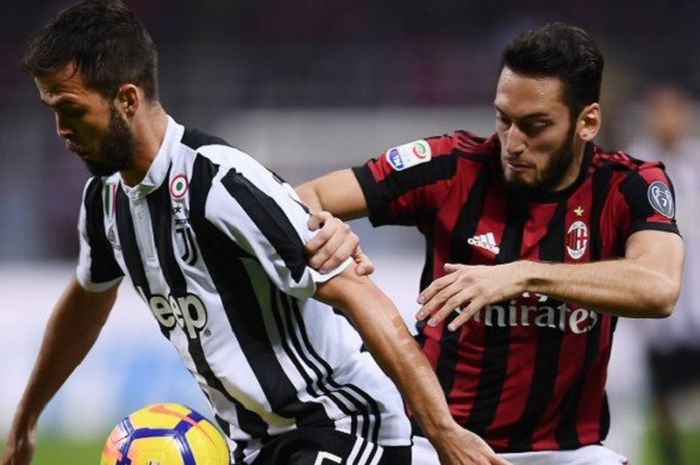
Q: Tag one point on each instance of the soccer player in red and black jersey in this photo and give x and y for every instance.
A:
(537, 241)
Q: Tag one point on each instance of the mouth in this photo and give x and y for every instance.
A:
(517, 165)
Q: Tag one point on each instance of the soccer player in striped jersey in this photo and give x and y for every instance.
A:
(214, 244)
(537, 240)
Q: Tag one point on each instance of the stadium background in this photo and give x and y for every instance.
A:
(305, 87)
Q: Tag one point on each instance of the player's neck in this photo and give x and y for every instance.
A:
(149, 132)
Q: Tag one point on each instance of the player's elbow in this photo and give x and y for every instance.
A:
(663, 298)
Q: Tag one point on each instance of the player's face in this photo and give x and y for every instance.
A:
(91, 126)
(535, 131)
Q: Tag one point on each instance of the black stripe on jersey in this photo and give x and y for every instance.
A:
(270, 219)
(600, 189)
(544, 372)
(364, 404)
(566, 434)
(195, 139)
(239, 299)
(283, 318)
(495, 359)
(200, 184)
(465, 227)
(131, 253)
(103, 265)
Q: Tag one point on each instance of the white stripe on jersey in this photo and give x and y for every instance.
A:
(213, 241)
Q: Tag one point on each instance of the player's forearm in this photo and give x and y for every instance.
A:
(338, 192)
(71, 331)
(620, 287)
(388, 340)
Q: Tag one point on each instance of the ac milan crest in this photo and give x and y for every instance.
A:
(577, 239)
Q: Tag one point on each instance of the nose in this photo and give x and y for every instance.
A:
(62, 129)
(515, 141)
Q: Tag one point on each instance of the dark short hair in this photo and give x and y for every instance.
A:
(563, 51)
(108, 45)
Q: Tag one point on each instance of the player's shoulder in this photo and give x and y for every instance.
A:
(215, 149)
(620, 160)
(467, 144)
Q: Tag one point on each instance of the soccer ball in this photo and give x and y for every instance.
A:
(165, 434)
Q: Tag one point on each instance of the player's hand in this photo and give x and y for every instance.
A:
(462, 447)
(334, 243)
(19, 448)
(467, 289)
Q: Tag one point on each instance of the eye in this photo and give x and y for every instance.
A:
(502, 121)
(534, 128)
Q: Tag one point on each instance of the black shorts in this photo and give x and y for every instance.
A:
(326, 446)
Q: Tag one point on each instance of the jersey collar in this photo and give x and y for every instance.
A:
(158, 171)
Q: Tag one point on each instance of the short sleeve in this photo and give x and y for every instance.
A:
(408, 181)
(97, 269)
(265, 217)
(648, 197)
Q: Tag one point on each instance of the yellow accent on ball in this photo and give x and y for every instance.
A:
(152, 439)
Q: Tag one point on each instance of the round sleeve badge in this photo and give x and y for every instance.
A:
(661, 199)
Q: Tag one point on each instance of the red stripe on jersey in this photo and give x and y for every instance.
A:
(588, 420)
(522, 351)
(439, 146)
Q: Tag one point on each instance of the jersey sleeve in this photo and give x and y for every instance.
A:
(97, 269)
(648, 200)
(406, 181)
(266, 218)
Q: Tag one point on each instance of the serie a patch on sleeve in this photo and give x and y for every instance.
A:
(407, 155)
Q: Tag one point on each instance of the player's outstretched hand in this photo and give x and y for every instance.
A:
(467, 289)
(334, 243)
(462, 447)
(19, 447)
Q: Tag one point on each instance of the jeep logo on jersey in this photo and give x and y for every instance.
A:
(661, 199)
(188, 312)
(407, 155)
(577, 239)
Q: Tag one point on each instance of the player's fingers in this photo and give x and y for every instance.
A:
(317, 219)
(339, 248)
(465, 314)
(456, 299)
(364, 264)
(436, 286)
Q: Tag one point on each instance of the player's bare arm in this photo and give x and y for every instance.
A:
(72, 330)
(644, 284)
(337, 194)
(385, 334)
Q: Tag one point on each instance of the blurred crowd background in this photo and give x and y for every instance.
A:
(309, 86)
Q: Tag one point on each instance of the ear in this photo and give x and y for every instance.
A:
(589, 121)
(128, 100)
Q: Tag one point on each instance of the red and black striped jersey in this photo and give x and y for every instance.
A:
(529, 373)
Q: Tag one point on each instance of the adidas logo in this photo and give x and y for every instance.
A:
(485, 241)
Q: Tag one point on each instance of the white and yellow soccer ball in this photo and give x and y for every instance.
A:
(165, 434)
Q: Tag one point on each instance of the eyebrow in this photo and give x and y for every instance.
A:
(535, 115)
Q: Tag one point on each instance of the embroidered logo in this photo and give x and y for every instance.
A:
(577, 239)
(661, 199)
(485, 241)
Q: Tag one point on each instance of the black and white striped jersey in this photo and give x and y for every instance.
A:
(213, 242)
